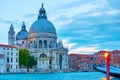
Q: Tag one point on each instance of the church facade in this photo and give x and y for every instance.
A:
(42, 43)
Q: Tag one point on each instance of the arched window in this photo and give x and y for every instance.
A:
(22, 42)
(43, 55)
(31, 44)
(45, 44)
(35, 45)
(54, 43)
(28, 45)
(40, 44)
(8, 59)
(60, 61)
(50, 44)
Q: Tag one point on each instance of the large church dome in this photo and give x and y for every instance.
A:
(22, 34)
(42, 24)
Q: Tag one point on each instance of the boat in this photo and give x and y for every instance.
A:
(115, 72)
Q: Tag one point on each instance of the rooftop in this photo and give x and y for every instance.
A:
(8, 46)
(82, 55)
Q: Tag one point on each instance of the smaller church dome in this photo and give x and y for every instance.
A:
(23, 34)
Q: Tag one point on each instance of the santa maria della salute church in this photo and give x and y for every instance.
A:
(42, 43)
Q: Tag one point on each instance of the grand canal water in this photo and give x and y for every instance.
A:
(55, 76)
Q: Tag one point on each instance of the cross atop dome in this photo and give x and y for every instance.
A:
(42, 13)
(42, 5)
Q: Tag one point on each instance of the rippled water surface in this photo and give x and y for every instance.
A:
(55, 76)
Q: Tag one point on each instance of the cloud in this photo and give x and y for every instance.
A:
(114, 4)
(110, 45)
(84, 26)
(3, 33)
(60, 20)
(84, 50)
(83, 34)
(6, 21)
(113, 12)
(30, 15)
(85, 7)
(67, 43)
(66, 14)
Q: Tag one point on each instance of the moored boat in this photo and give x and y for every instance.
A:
(115, 72)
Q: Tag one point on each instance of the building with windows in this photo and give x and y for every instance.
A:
(81, 62)
(114, 58)
(9, 58)
(2, 61)
(41, 41)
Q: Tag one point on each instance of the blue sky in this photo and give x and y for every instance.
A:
(85, 26)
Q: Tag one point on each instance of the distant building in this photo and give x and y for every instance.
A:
(81, 62)
(98, 58)
(114, 58)
(9, 58)
(2, 63)
(42, 43)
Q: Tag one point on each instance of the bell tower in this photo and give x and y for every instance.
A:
(11, 35)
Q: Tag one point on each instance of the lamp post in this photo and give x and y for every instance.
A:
(107, 59)
(78, 67)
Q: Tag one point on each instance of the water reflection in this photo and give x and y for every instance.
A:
(115, 79)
